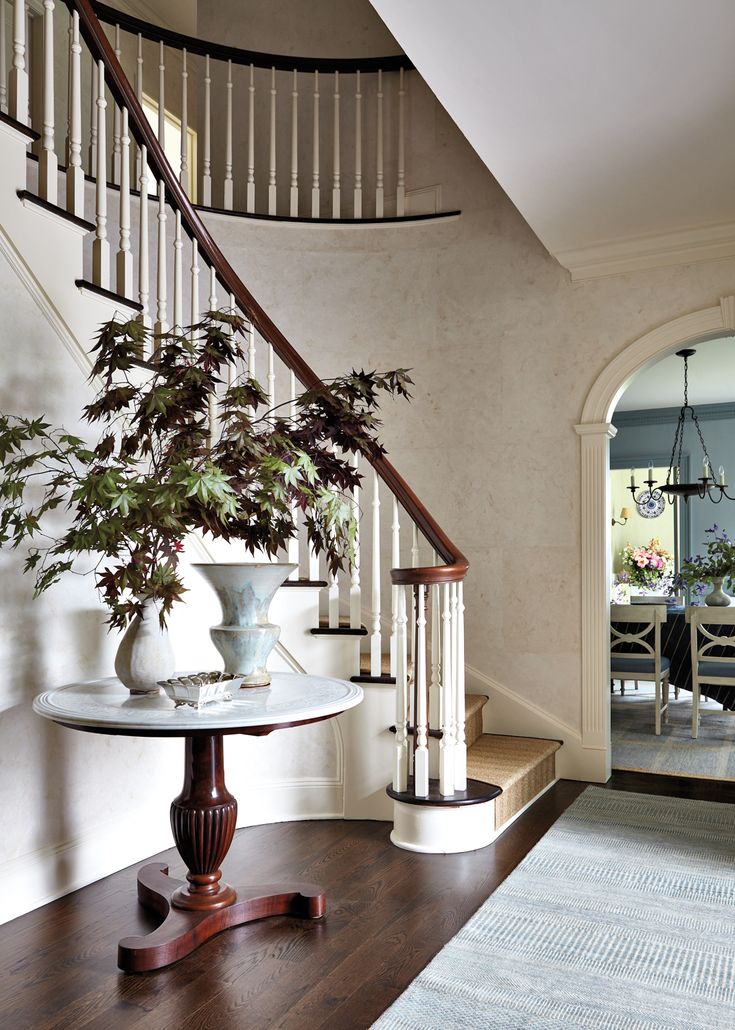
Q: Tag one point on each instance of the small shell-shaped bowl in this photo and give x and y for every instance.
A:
(201, 688)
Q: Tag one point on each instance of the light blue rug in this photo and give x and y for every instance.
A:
(622, 917)
(635, 745)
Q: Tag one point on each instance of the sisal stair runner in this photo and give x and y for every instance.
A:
(522, 766)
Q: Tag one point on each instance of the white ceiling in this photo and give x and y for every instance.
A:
(661, 385)
(603, 120)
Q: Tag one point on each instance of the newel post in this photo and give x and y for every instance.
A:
(596, 569)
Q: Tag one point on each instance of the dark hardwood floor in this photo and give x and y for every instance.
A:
(389, 912)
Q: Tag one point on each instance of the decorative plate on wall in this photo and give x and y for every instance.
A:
(649, 506)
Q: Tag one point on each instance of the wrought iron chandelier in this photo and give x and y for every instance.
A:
(705, 486)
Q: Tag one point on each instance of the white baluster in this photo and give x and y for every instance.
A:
(358, 149)
(229, 186)
(116, 122)
(178, 276)
(101, 246)
(161, 95)
(194, 269)
(435, 699)
(231, 366)
(139, 94)
(161, 325)
(460, 751)
(139, 70)
(18, 82)
(294, 206)
(355, 588)
(336, 174)
(333, 600)
(271, 379)
(421, 754)
(395, 562)
(125, 254)
(212, 299)
(93, 121)
(3, 63)
(143, 266)
(251, 352)
(74, 172)
(250, 193)
(212, 306)
(315, 206)
(379, 207)
(401, 187)
(400, 763)
(184, 169)
(207, 157)
(293, 543)
(414, 546)
(376, 650)
(447, 706)
(48, 167)
(414, 565)
(272, 162)
(314, 571)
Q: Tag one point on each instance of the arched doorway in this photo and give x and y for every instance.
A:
(595, 430)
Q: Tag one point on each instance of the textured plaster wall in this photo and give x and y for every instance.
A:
(504, 350)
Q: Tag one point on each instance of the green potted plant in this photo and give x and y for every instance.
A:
(713, 567)
(164, 465)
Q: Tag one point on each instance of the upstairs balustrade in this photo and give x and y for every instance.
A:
(152, 248)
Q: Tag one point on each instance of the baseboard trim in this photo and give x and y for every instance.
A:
(510, 714)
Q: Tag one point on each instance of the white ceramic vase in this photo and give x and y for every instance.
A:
(245, 637)
(145, 655)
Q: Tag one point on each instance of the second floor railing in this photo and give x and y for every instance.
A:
(151, 246)
(268, 134)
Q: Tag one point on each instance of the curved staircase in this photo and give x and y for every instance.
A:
(393, 624)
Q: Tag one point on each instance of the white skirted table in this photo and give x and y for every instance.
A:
(203, 816)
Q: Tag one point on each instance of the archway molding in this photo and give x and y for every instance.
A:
(595, 431)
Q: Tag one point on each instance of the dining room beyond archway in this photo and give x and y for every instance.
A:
(596, 429)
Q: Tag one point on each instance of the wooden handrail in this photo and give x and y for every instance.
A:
(220, 52)
(94, 35)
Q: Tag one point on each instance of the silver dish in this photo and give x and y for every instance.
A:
(201, 688)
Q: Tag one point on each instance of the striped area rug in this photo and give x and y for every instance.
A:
(622, 917)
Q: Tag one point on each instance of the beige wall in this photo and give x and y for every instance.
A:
(504, 350)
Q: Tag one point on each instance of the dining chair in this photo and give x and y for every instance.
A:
(709, 668)
(642, 658)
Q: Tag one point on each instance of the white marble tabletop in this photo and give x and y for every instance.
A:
(107, 706)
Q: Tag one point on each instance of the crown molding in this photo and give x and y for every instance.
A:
(657, 416)
(653, 250)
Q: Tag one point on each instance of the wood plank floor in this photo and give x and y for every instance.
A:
(389, 912)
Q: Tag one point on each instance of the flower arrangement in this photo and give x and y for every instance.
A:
(717, 563)
(649, 566)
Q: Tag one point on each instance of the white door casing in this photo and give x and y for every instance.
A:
(595, 431)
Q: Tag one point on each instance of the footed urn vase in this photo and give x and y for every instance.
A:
(245, 637)
(717, 598)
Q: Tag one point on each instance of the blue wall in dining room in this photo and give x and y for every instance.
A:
(645, 434)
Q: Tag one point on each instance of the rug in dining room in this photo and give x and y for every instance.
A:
(636, 747)
(622, 917)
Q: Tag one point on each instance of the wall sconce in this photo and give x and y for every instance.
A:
(624, 516)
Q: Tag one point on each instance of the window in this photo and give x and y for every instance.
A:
(172, 145)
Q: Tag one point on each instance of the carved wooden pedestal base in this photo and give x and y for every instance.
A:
(182, 931)
(203, 823)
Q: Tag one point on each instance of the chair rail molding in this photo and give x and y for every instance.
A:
(595, 431)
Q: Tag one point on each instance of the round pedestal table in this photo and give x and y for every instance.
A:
(203, 816)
